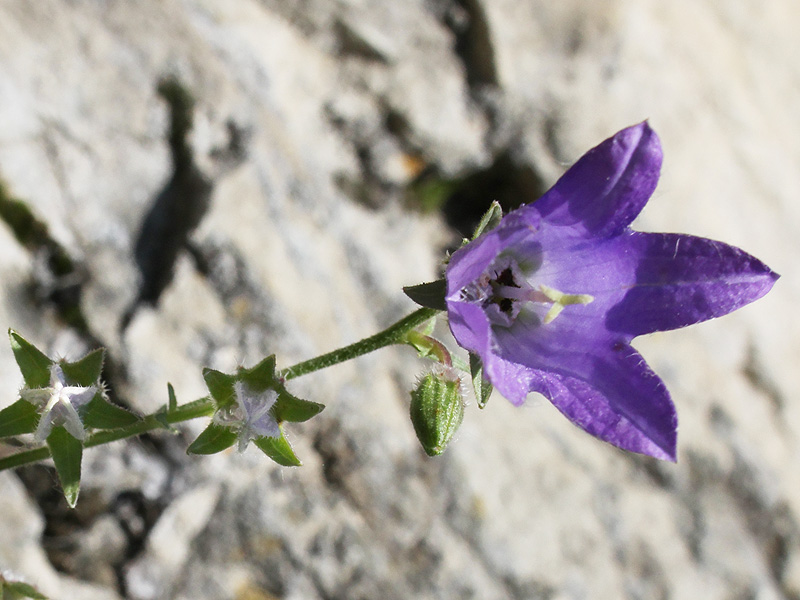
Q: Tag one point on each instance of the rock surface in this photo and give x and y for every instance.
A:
(315, 123)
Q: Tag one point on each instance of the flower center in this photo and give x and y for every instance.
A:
(503, 290)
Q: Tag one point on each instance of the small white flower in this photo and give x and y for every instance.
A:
(251, 416)
(58, 403)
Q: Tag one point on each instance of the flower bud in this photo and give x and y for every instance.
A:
(437, 408)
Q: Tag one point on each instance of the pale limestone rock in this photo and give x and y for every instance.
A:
(336, 102)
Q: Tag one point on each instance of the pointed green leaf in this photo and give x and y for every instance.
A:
(262, 376)
(429, 295)
(483, 389)
(18, 418)
(101, 414)
(161, 417)
(67, 453)
(295, 410)
(34, 364)
(279, 450)
(19, 589)
(214, 438)
(490, 219)
(87, 370)
(220, 385)
(173, 401)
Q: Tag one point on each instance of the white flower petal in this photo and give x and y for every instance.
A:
(78, 396)
(57, 375)
(266, 426)
(58, 404)
(44, 428)
(37, 396)
(72, 421)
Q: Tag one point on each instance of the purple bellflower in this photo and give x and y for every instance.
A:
(551, 298)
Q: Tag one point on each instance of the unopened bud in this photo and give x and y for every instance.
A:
(437, 408)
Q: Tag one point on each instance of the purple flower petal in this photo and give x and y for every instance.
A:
(551, 298)
(468, 263)
(681, 280)
(471, 328)
(608, 187)
(619, 400)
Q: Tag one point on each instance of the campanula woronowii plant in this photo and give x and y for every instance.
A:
(545, 299)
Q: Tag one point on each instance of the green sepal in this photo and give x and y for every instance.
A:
(101, 414)
(34, 364)
(483, 389)
(490, 219)
(162, 416)
(18, 418)
(279, 450)
(261, 377)
(221, 386)
(172, 405)
(429, 347)
(67, 453)
(295, 410)
(215, 438)
(16, 590)
(429, 295)
(287, 407)
(87, 370)
(422, 343)
(427, 327)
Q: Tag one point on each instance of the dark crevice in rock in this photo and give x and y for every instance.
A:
(57, 283)
(229, 275)
(756, 373)
(340, 457)
(464, 201)
(352, 42)
(506, 180)
(57, 280)
(470, 27)
(234, 152)
(366, 188)
(136, 515)
(177, 209)
(61, 522)
(657, 472)
(772, 524)
(510, 179)
(66, 528)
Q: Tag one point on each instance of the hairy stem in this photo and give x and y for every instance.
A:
(394, 334)
(204, 407)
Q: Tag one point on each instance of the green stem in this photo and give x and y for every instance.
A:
(204, 407)
(394, 334)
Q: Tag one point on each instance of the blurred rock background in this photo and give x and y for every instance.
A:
(196, 182)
